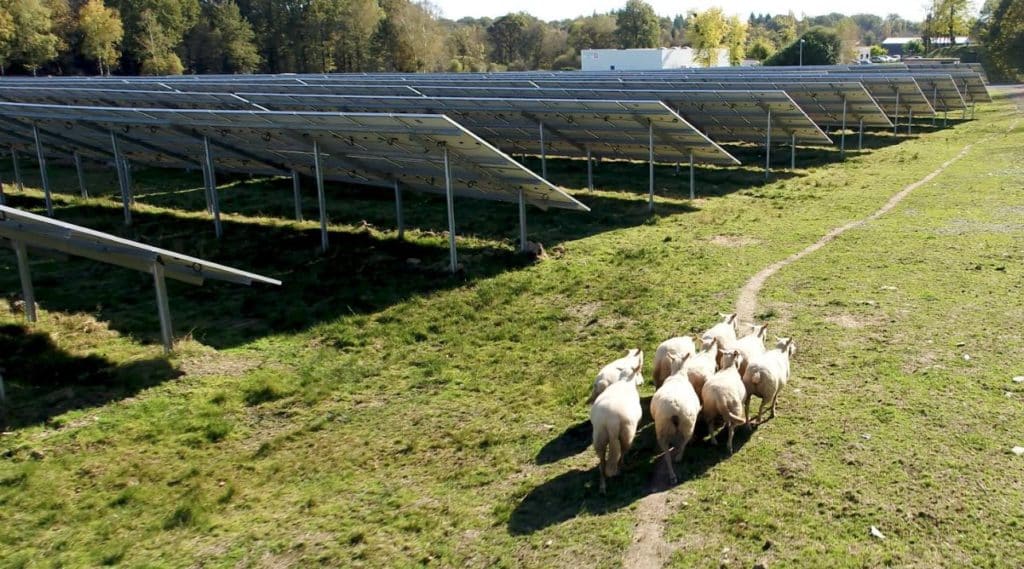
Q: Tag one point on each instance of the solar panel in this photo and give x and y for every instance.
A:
(24, 230)
(607, 128)
(724, 116)
(47, 233)
(372, 149)
(823, 101)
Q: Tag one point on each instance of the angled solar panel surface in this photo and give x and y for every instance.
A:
(47, 233)
(821, 100)
(724, 116)
(372, 149)
(610, 128)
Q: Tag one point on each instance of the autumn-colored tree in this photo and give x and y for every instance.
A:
(707, 33)
(736, 40)
(102, 32)
(34, 42)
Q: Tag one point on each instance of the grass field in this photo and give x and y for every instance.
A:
(376, 412)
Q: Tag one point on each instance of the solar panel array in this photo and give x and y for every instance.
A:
(365, 148)
(442, 132)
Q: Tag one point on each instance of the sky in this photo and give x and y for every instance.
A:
(548, 10)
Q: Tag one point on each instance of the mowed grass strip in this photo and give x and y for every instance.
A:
(377, 412)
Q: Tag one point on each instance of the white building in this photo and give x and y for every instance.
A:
(651, 59)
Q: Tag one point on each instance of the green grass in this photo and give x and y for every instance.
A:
(375, 412)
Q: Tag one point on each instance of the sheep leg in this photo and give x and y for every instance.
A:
(732, 429)
(711, 428)
(774, 401)
(671, 469)
(600, 472)
(679, 451)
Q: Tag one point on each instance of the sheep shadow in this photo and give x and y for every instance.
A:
(576, 492)
(573, 440)
(43, 381)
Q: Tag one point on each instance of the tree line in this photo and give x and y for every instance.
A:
(157, 37)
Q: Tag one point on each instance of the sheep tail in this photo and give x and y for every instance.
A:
(756, 377)
(675, 421)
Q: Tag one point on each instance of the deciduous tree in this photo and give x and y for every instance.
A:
(102, 32)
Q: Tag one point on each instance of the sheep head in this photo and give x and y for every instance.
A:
(728, 358)
(761, 331)
(676, 362)
(729, 319)
(785, 345)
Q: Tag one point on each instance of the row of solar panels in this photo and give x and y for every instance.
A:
(666, 120)
(941, 82)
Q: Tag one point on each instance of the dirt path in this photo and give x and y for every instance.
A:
(650, 549)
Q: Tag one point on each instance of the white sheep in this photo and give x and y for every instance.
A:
(679, 347)
(723, 397)
(614, 417)
(724, 331)
(702, 365)
(675, 408)
(767, 374)
(750, 346)
(609, 374)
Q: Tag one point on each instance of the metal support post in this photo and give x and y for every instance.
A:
(792, 151)
(543, 154)
(650, 167)
(910, 119)
(935, 103)
(320, 197)
(297, 195)
(81, 175)
(768, 147)
(121, 179)
(522, 221)
(450, 198)
(131, 181)
(590, 170)
(398, 211)
(860, 134)
(896, 119)
(842, 137)
(693, 188)
(945, 118)
(27, 292)
(163, 306)
(211, 187)
(206, 187)
(17, 170)
(42, 171)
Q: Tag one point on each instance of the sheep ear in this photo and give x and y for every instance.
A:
(731, 318)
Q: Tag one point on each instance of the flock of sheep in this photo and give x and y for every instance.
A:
(716, 381)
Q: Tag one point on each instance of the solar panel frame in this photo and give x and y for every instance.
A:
(363, 148)
(821, 100)
(723, 116)
(47, 233)
(609, 128)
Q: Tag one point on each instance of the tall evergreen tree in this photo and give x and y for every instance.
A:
(638, 25)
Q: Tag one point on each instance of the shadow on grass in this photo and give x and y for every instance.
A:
(574, 440)
(364, 271)
(575, 492)
(43, 381)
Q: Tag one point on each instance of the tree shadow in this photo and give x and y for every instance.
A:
(43, 381)
(576, 492)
